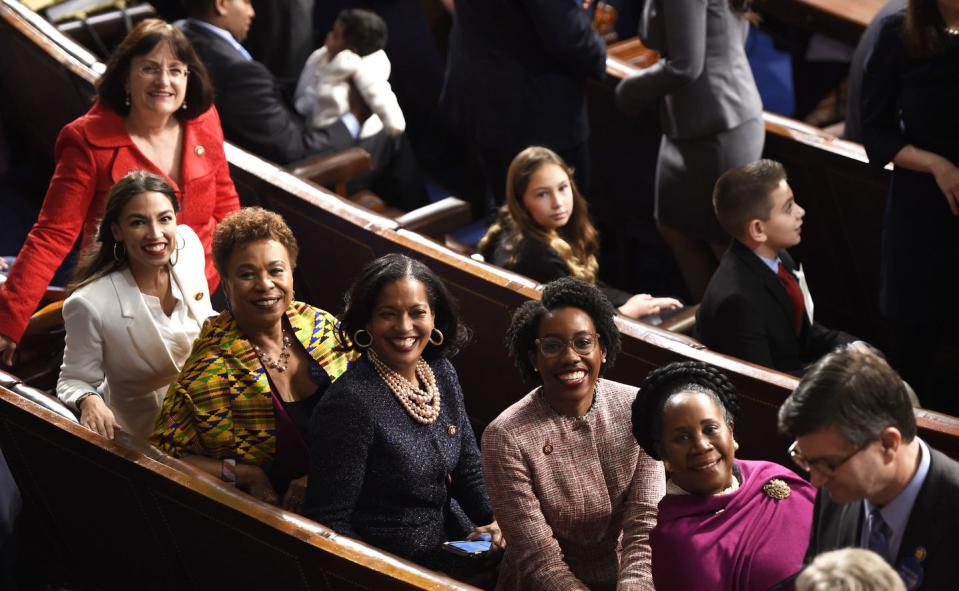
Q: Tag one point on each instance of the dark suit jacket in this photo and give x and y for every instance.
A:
(516, 72)
(252, 109)
(747, 314)
(932, 525)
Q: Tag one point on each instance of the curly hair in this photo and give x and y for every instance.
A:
(363, 30)
(577, 242)
(362, 296)
(247, 225)
(663, 383)
(568, 292)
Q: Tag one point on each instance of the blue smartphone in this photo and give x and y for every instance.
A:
(468, 547)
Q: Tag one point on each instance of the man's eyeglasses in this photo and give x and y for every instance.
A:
(826, 467)
(154, 71)
(583, 344)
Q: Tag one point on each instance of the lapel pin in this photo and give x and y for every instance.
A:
(548, 448)
(451, 430)
(920, 554)
(199, 150)
(198, 296)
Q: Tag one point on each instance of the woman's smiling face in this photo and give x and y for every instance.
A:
(401, 323)
(697, 443)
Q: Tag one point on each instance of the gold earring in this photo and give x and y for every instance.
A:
(436, 341)
(356, 339)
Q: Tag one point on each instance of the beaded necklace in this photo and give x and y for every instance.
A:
(422, 406)
(282, 360)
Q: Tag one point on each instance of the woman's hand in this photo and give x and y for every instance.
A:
(97, 416)
(497, 541)
(643, 304)
(295, 493)
(7, 348)
(947, 177)
(254, 481)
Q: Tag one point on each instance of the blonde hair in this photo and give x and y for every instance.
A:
(849, 569)
(577, 242)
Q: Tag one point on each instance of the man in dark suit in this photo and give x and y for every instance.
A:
(881, 487)
(755, 307)
(515, 77)
(256, 118)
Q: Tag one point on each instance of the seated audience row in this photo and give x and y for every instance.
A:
(389, 456)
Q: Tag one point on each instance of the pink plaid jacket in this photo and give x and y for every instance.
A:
(576, 500)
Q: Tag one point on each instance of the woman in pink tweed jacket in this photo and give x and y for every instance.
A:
(573, 493)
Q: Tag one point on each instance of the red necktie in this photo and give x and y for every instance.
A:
(794, 292)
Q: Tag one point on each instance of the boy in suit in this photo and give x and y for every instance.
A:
(881, 487)
(755, 307)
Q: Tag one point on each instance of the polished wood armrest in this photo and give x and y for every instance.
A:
(437, 219)
(334, 169)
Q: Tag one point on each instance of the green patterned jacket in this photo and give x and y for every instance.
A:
(220, 406)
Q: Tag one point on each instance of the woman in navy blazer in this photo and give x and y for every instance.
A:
(393, 458)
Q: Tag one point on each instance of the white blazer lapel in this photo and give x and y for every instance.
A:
(143, 332)
(190, 274)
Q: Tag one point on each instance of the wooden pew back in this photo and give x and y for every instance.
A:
(115, 518)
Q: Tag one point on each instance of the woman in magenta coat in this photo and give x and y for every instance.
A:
(154, 112)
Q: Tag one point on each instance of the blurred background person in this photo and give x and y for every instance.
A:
(711, 116)
(909, 93)
(849, 569)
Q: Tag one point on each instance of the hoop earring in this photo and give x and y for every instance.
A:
(356, 338)
(175, 258)
(438, 341)
(118, 255)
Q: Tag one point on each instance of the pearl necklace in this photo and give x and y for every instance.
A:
(283, 359)
(423, 407)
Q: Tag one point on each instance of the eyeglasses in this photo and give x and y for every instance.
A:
(825, 467)
(153, 71)
(583, 344)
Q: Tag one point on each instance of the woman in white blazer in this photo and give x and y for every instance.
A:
(136, 304)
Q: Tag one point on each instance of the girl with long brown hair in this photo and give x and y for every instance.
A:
(544, 231)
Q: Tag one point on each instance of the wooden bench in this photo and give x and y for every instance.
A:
(115, 518)
(842, 20)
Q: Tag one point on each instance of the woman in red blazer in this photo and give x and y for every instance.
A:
(154, 112)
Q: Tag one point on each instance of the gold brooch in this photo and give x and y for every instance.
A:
(920, 554)
(548, 448)
(776, 489)
(199, 150)
(198, 296)
(451, 430)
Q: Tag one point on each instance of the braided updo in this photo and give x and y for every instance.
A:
(663, 383)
